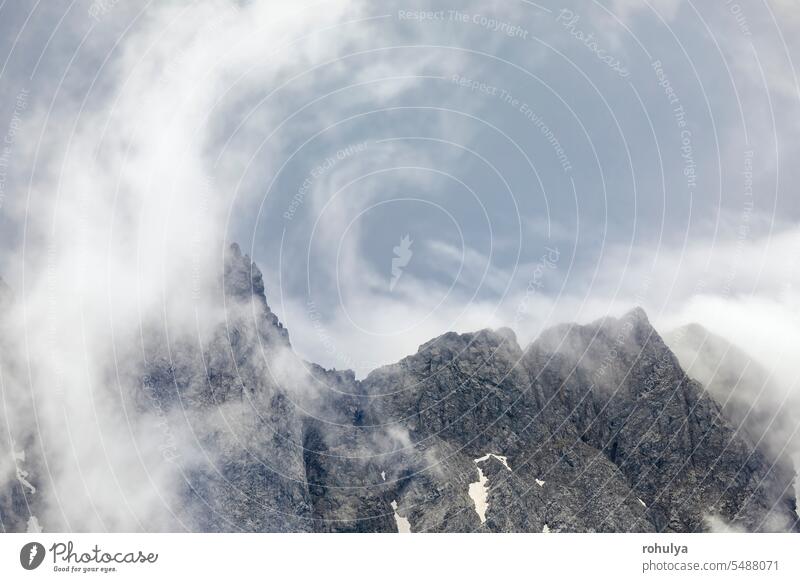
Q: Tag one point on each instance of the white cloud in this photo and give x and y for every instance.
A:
(125, 227)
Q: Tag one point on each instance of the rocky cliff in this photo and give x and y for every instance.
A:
(21, 463)
(593, 428)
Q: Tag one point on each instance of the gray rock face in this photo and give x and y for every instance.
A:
(591, 428)
(629, 398)
(243, 282)
(757, 407)
(21, 467)
(20, 499)
(244, 468)
(748, 395)
(462, 397)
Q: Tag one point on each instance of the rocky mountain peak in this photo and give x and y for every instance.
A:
(743, 387)
(242, 278)
(625, 340)
(453, 342)
(243, 282)
(593, 427)
(628, 396)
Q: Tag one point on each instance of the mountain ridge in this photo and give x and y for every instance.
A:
(592, 427)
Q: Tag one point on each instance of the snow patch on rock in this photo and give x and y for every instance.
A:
(403, 525)
(500, 458)
(479, 490)
(479, 493)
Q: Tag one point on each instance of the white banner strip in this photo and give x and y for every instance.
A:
(400, 558)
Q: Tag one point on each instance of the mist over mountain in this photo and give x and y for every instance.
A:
(758, 405)
(589, 428)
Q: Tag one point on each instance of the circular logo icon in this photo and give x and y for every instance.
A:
(31, 555)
